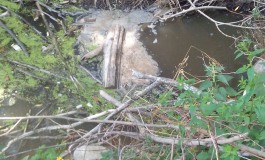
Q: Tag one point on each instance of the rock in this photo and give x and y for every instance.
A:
(259, 67)
(89, 152)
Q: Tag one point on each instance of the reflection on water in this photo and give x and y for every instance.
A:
(176, 37)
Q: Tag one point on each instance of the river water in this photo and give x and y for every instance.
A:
(190, 35)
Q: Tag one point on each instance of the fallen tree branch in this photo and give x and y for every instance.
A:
(165, 17)
(54, 41)
(196, 142)
(122, 107)
(21, 45)
(188, 142)
(12, 128)
(50, 128)
(198, 9)
(43, 137)
(90, 74)
(31, 75)
(252, 151)
(167, 81)
(34, 68)
(25, 21)
(109, 98)
(50, 16)
(61, 13)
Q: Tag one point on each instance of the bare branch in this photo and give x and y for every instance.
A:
(167, 81)
(21, 45)
(25, 21)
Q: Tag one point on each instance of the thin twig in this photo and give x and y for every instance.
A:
(167, 81)
(54, 41)
(34, 68)
(90, 74)
(25, 21)
(21, 45)
(122, 107)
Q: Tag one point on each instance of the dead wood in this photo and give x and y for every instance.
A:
(21, 45)
(35, 68)
(166, 81)
(54, 41)
(25, 21)
(112, 50)
(50, 128)
(110, 98)
(120, 108)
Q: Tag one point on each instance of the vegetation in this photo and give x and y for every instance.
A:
(219, 122)
(47, 72)
(218, 111)
(42, 154)
(41, 74)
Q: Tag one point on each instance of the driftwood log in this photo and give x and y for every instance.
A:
(112, 50)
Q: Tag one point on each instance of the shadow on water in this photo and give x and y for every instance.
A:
(176, 36)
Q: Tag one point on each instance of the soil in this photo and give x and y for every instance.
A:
(135, 56)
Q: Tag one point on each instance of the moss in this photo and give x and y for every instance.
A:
(73, 88)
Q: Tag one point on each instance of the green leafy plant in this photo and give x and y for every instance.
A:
(42, 154)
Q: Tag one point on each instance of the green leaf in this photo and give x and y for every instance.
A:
(170, 114)
(224, 78)
(260, 112)
(203, 156)
(219, 96)
(250, 73)
(241, 70)
(222, 91)
(262, 135)
(230, 91)
(192, 110)
(239, 55)
(246, 120)
(205, 84)
(208, 109)
(258, 51)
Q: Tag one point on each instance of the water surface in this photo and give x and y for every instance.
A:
(190, 35)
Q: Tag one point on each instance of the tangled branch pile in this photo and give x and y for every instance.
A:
(175, 126)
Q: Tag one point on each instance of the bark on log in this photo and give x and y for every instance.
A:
(112, 51)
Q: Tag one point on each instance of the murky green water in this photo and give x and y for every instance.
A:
(20, 108)
(176, 37)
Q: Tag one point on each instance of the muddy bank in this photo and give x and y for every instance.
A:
(134, 55)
